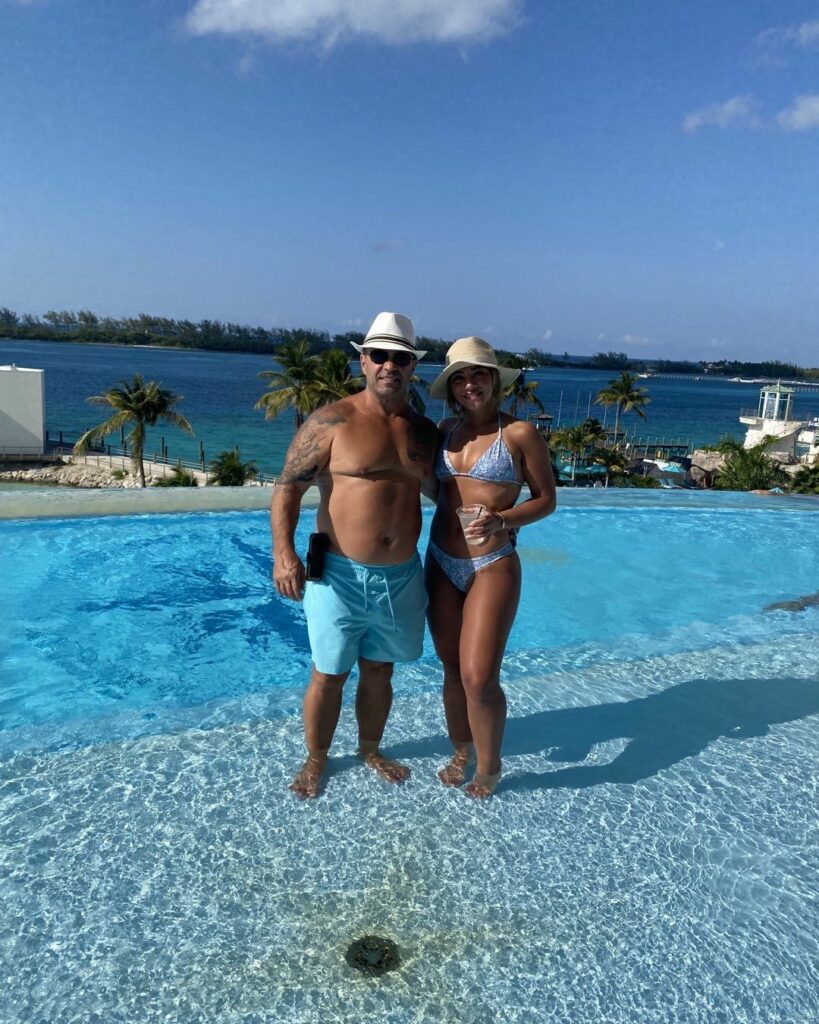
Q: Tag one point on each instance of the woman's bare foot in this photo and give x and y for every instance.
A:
(454, 774)
(307, 783)
(392, 771)
(482, 786)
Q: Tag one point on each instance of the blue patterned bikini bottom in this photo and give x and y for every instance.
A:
(459, 571)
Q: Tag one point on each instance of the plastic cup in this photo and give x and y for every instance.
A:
(468, 514)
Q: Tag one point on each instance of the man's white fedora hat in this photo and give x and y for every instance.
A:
(391, 331)
(470, 352)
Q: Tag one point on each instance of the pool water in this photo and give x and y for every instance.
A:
(651, 857)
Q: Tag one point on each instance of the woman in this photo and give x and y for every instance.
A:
(473, 571)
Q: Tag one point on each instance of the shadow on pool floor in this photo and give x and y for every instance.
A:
(662, 729)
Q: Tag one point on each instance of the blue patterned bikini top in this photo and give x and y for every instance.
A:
(495, 466)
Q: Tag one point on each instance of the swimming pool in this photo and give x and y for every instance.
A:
(650, 858)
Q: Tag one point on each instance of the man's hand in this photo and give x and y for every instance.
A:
(289, 576)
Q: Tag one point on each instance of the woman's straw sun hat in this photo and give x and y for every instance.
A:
(470, 352)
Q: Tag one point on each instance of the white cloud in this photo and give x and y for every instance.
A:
(736, 111)
(331, 21)
(637, 340)
(719, 245)
(355, 322)
(773, 41)
(388, 245)
(548, 334)
(601, 335)
(776, 47)
(806, 34)
(801, 115)
(247, 64)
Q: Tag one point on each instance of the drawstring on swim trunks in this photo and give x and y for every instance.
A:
(389, 602)
(366, 577)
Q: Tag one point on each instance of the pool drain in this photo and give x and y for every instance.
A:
(373, 955)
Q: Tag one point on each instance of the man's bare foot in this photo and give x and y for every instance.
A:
(482, 786)
(392, 771)
(307, 783)
(454, 774)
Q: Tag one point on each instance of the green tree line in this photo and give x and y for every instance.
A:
(84, 325)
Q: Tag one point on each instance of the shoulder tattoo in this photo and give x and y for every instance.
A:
(303, 463)
(422, 441)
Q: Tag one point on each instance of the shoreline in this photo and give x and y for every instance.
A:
(638, 363)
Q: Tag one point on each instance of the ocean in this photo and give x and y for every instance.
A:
(220, 390)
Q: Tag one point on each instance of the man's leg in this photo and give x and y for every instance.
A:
(373, 701)
(322, 706)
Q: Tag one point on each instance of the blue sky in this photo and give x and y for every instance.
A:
(577, 176)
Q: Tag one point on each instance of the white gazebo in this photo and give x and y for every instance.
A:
(773, 420)
(22, 411)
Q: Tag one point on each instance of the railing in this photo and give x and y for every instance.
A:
(23, 454)
(65, 446)
(122, 458)
(660, 446)
(796, 416)
(62, 446)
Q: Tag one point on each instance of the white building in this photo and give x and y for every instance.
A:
(22, 411)
(775, 420)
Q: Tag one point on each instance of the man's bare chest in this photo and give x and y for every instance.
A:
(369, 449)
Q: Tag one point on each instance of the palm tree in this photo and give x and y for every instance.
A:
(806, 481)
(228, 470)
(418, 388)
(295, 386)
(594, 428)
(748, 469)
(614, 461)
(179, 478)
(522, 393)
(575, 440)
(138, 404)
(333, 376)
(622, 392)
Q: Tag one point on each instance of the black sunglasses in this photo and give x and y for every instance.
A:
(380, 356)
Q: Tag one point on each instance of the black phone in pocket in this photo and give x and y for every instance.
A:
(316, 548)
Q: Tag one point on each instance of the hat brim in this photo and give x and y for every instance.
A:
(390, 345)
(437, 388)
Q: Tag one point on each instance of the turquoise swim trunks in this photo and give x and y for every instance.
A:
(365, 611)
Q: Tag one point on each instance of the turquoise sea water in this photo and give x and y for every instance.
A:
(652, 855)
(220, 390)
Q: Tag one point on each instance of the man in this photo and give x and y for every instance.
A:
(371, 456)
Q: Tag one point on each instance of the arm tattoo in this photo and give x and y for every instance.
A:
(298, 474)
(422, 442)
(302, 464)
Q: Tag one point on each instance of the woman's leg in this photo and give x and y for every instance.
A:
(488, 613)
(444, 616)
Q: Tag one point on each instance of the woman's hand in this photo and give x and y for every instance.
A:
(482, 528)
